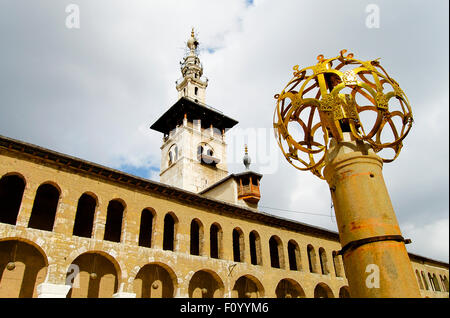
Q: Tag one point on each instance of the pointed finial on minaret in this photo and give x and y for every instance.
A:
(192, 42)
(246, 159)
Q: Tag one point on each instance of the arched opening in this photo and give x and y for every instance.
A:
(114, 219)
(425, 280)
(295, 263)
(238, 245)
(276, 252)
(154, 281)
(445, 283)
(288, 288)
(173, 154)
(430, 278)
(196, 90)
(169, 233)
(247, 287)
(215, 237)
(323, 261)
(437, 287)
(93, 275)
(322, 290)
(146, 228)
(44, 208)
(312, 259)
(255, 248)
(337, 264)
(344, 292)
(11, 193)
(196, 245)
(205, 284)
(22, 268)
(419, 280)
(84, 217)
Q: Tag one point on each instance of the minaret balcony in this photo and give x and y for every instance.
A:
(249, 193)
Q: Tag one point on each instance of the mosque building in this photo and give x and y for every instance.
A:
(76, 229)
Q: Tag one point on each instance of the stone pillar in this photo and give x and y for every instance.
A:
(374, 253)
(48, 290)
(100, 220)
(27, 204)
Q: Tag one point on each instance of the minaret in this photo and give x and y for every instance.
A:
(192, 84)
(193, 151)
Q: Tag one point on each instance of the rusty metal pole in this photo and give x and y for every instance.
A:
(376, 262)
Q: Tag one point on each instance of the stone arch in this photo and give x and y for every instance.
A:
(323, 261)
(444, 279)
(45, 206)
(419, 279)
(23, 266)
(206, 283)
(276, 252)
(337, 264)
(196, 237)
(155, 280)
(295, 261)
(425, 282)
(247, 286)
(12, 187)
(312, 259)
(238, 245)
(204, 148)
(255, 248)
(93, 274)
(322, 290)
(436, 283)
(172, 154)
(430, 278)
(146, 226)
(85, 215)
(215, 237)
(170, 232)
(289, 288)
(115, 220)
(344, 292)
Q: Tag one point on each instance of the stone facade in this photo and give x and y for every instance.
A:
(304, 254)
(184, 170)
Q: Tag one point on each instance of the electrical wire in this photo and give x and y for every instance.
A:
(293, 211)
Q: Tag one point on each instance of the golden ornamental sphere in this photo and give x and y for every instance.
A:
(338, 96)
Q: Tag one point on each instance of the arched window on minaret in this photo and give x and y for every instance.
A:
(196, 90)
(173, 155)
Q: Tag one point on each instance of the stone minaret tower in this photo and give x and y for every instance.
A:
(193, 153)
(192, 84)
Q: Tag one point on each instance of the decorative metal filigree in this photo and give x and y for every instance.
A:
(323, 102)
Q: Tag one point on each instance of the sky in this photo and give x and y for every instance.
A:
(93, 89)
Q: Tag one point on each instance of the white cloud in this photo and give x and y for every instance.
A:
(429, 239)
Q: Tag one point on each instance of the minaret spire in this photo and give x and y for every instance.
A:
(192, 84)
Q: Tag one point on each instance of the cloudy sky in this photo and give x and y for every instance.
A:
(93, 91)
